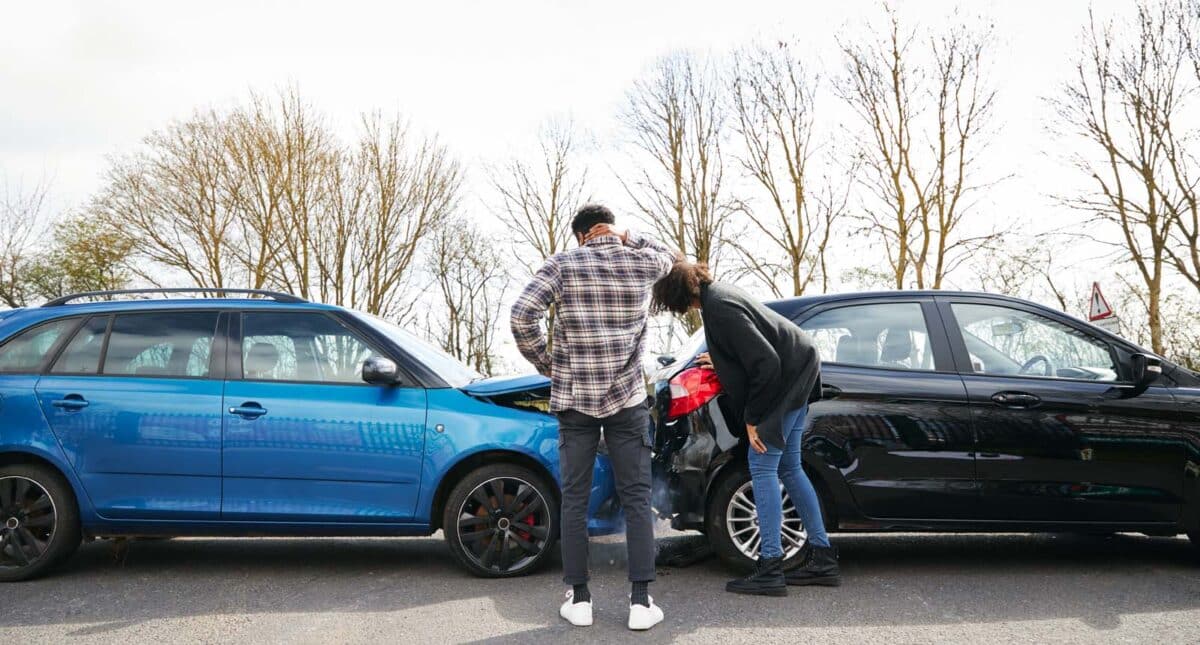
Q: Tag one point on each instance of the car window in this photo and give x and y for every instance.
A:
(82, 354)
(1011, 342)
(174, 344)
(300, 346)
(889, 335)
(25, 352)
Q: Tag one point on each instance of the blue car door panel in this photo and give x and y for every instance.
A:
(305, 439)
(143, 433)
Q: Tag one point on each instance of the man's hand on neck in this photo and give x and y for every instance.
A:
(600, 230)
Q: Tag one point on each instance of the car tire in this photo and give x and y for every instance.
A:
(724, 519)
(501, 521)
(39, 521)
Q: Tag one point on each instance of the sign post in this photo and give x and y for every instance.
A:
(1100, 313)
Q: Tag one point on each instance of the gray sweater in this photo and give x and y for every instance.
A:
(765, 363)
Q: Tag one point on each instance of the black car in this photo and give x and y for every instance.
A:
(946, 411)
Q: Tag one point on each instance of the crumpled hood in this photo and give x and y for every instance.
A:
(506, 384)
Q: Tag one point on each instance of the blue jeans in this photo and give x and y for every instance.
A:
(766, 471)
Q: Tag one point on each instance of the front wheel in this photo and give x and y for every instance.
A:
(501, 521)
(39, 521)
(732, 523)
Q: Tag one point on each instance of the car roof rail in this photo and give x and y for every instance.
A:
(219, 292)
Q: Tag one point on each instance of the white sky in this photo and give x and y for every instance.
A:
(79, 81)
(82, 80)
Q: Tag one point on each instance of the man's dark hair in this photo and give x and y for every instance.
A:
(590, 215)
(676, 291)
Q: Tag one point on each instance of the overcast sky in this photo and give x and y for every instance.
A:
(79, 81)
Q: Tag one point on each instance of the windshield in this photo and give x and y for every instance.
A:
(449, 369)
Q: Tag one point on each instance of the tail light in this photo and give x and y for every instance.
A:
(691, 389)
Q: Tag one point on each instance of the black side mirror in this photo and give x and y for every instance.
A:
(1146, 370)
(665, 360)
(378, 370)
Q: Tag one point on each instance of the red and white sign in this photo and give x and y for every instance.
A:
(1100, 309)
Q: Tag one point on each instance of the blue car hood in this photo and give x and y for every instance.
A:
(506, 384)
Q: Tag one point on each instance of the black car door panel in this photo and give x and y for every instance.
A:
(894, 419)
(1054, 442)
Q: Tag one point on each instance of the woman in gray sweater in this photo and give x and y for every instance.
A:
(771, 372)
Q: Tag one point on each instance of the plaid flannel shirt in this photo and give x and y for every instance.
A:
(600, 294)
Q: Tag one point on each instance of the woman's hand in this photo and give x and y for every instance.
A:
(755, 442)
(704, 361)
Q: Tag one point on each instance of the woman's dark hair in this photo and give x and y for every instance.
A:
(590, 215)
(676, 291)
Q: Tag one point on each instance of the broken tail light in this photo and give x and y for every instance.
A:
(691, 389)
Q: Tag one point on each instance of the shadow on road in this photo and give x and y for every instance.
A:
(889, 580)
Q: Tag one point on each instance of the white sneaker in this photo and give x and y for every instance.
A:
(642, 618)
(578, 614)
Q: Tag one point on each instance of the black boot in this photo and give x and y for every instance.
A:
(767, 580)
(820, 569)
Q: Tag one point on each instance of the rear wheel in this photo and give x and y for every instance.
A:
(39, 521)
(732, 523)
(501, 521)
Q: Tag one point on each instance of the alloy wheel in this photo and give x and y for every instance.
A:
(504, 524)
(27, 522)
(741, 521)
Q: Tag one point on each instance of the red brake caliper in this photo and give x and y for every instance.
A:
(525, 535)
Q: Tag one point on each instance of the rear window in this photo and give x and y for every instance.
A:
(26, 352)
(175, 344)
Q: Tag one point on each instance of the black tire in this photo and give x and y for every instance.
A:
(1194, 536)
(717, 524)
(501, 521)
(39, 521)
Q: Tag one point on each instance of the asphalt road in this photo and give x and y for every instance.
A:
(897, 589)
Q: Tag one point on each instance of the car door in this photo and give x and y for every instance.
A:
(305, 438)
(1055, 444)
(894, 418)
(135, 400)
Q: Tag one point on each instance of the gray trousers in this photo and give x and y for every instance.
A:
(625, 434)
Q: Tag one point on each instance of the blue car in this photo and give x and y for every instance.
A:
(258, 413)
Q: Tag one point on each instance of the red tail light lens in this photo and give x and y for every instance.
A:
(691, 389)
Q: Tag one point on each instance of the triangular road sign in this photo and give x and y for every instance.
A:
(1100, 308)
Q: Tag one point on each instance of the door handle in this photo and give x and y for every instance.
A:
(1015, 399)
(248, 410)
(70, 402)
(830, 391)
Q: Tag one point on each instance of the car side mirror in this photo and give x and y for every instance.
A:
(665, 360)
(378, 370)
(1146, 370)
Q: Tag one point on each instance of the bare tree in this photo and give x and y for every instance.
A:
(468, 269)
(773, 99)
(1180, 23)
(677, 120)
(1025, 268)
(919, 164)
(1125, 87)
(21, 216)
(538, 198)
(170, 200)
(265, 195)
(409, 185)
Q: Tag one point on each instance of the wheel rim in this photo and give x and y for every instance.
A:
(27, 522)
(504, 524)
(741, 522)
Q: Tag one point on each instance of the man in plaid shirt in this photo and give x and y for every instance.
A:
(600, 293)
